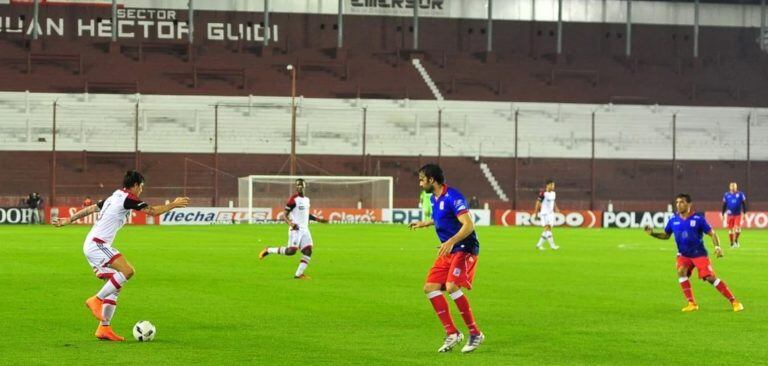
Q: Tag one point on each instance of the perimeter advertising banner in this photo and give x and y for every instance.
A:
(214, 215)
(15, 215)
(750, 220)
(134, 218)
(635, 219)
(343, 215)
(409, 215)
(587, 219)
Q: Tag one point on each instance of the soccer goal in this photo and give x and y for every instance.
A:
(337, 192)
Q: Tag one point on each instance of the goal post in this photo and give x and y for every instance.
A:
(324, 192)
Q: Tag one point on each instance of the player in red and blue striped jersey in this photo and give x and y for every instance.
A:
(455, 266)
(734, 204)
(689, 228)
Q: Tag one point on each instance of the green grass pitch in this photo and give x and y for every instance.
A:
(608, 297)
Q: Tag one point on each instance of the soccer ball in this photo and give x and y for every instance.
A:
(144, 331)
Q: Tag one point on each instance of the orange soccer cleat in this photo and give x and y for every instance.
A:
(737, 306)
(691, 307)
(94, 303)
(302, 277)
(106, 333)
(263, 253)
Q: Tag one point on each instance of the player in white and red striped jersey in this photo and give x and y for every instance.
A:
(297, 217)
(546, 208)
(106, 261)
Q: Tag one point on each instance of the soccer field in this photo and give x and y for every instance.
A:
(607, 297)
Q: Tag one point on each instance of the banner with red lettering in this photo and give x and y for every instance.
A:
(749, 220)
(135, 217)
(588, 219)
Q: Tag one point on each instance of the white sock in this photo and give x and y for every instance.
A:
(108, 308)
(302, 265)
(550, 239)
(276, 250)
(113, 285)
(541, 239)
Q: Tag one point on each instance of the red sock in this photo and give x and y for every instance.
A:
(443, 312)
(731, 236)
(720, 286)
(466, 312)
(685, 283)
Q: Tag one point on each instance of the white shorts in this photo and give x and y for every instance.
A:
(100, 256)
(299, 238)
(547, 219)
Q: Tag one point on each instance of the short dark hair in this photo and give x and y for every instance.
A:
(132, 178)
(549, 181)
(685, 196)
(433, 171)
(300, 180)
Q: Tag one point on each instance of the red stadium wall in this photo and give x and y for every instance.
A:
(591, 69)
(631, 185)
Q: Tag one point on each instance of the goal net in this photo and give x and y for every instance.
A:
(268, 193)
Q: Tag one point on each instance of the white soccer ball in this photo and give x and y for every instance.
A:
(144, 331)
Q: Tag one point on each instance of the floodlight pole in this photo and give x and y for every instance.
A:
(489, 28)
(365, 129)
(762, 25)
(114, 20)
(559, 27)
(674, 153)
(628, 45)
(594, 176)
(340, 22)
(216, 155)
(416, 25)
(292, 69)
(749, 156)
(35, 15)
(696, 29)
(136, 158)
(53, 156)
(191, 22)
(439, 134)
(267, 33)
(514, 196)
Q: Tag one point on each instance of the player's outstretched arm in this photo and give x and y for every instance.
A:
(77, 216)
(420, 224)
(661, 235)
(318, 219)
(179, 202)
(716, 242)
(536, 209)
